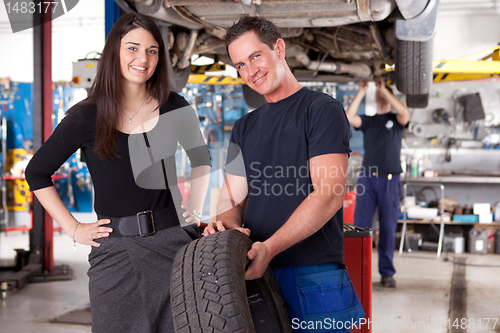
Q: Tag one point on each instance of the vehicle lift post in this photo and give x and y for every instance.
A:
(37, 264)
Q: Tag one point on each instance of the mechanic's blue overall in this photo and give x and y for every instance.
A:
(320, 298)
(384, 193)
(379, 186)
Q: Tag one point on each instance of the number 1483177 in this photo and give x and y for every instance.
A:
(472, 323)
(22, 7)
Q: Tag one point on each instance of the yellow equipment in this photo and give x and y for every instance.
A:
(209, 79)
(461, 69)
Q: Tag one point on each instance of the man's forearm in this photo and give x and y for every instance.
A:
(231, 215)
(353, 107)
(403, 114)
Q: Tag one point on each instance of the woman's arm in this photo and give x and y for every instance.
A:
(200, 176)
(85, 233)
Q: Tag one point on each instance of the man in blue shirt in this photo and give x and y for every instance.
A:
(289, 189)
(380, 183)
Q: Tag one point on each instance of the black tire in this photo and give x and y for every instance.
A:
(267, 306)
(253, 98)
(417, 101)
(178, 77)
(209, 294)
(413, 67)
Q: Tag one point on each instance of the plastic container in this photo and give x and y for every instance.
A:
(349, 207)
(497, 241)
(465, 218)
(478, 241)
(454, 243)
(497, 212)
(413, 241)
(414, 168)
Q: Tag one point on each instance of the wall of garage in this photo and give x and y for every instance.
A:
(74, 35)
(464, 28)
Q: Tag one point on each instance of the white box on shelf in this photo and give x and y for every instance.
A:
(422, 213)
(481, 208)
(486, 218)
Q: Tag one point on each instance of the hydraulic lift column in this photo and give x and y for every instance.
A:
(41, 235)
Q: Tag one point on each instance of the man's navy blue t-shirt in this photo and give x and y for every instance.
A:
(276, 141)
(382, 135)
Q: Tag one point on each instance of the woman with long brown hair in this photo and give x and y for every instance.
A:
(128, 130)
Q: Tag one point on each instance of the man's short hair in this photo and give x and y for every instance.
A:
(265, 30)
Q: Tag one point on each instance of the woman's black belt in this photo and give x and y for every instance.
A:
(144, 223)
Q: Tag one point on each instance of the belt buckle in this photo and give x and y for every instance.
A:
(389, 176)
(144, 215)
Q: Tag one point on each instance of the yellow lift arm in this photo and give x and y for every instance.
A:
(198, 75)
(213, 79)
(461, 69)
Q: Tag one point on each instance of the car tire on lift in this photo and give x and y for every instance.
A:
(178, 77)
(417, 101)
(413, 70)
(209, 292)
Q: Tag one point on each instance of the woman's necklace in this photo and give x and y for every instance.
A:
(136, 112)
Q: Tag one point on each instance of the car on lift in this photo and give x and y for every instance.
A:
(328, 41)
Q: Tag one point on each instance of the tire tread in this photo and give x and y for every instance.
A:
(203, 280)
(413, 67)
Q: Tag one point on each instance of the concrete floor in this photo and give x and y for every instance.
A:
(420, 303)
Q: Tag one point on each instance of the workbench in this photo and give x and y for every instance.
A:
(489, 179)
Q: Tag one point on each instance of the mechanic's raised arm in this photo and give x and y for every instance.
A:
(317, 209)
(403, 115)
(353, 107)
(231, 206)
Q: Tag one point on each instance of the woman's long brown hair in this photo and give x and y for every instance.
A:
(106, 92)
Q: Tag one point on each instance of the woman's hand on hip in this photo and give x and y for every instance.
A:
(85, 233)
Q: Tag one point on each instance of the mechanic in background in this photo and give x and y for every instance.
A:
(382, 134)
(290, 189)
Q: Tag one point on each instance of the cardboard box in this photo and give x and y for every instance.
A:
(449, 204)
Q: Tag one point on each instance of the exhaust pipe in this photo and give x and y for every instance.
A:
(358, 69)
(185, 59)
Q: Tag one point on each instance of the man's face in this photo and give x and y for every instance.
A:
(381, 100)
(259, 66)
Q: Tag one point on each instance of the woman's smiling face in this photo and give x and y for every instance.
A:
(138, 56)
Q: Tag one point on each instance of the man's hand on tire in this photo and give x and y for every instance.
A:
(220, 226)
